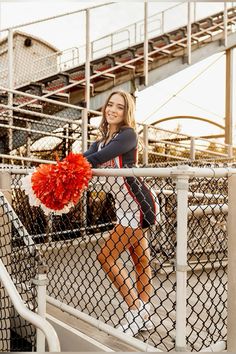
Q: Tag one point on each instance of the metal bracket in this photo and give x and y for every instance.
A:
(40, 281)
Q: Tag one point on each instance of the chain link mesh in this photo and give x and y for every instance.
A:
(20, 261)
(71, 245)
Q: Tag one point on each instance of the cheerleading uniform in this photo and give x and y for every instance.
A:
(136, 204)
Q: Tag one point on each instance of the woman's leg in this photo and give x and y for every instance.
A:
(120, 239)
(140, 253)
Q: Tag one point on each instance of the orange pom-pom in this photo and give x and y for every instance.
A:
(61, 185)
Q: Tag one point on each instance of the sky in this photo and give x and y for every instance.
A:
(204, 92)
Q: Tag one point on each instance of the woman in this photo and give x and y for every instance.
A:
(136, 209)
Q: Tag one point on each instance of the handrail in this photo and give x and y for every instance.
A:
(182, 170)
(23, 311)
(132, 61)
(44, 98)
(53, 17)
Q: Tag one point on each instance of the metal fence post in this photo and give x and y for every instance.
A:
(84, 129)
(189, 34)
(231, 226)
(230, 151)
(10, 86)
(225, 24)
(145, 65)
(162, 22)
(87, 60)
(5, 242)
(181, 260)
(41, 283)
(145, 143)
(28, 142)
(192, 149)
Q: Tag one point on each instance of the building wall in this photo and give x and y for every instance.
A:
(37, 60)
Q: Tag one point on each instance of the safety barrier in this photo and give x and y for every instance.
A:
(189, 253)
(22, 283)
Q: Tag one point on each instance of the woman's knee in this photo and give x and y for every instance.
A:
(106, 257)
(143, 263)
(102, 257)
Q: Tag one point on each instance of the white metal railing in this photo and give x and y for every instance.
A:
(88, 78)
(187, 147)
(43, 328)
(24, 312)
(134, 33)
(181, 175)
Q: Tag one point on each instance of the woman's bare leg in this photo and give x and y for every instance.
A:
(119, 240)
(140, 253)
(135, 240)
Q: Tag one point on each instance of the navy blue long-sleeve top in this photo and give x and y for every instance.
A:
(123, 146)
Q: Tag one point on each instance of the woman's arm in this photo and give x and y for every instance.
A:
(125, 141)
(93, 148)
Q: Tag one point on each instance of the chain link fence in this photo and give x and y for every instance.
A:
(20, 260)
(70, 245)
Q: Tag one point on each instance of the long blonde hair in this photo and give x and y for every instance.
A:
(129, 113)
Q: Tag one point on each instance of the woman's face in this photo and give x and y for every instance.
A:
(114, 112)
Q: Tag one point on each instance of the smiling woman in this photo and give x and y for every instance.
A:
(137, 208)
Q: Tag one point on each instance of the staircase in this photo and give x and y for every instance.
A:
(124, 69)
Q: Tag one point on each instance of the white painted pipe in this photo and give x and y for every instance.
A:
(189, 34)
(181, 262)
(231, 299)
(10, 50)
(23, 311)
(166, 172)
(145, 73)
(87, 60)
(135, 343)
(225, 24)
(145, 143)
(25, 94)
(41, 283)
(84, 129)
(151, 171)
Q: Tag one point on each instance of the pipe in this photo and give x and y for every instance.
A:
(41, 283)
(181, 263)
(87, 62)
(231, 300)
(189, 33)
(225, 24)
(135, 343)
(145, 68)
(148, 172)
(23, 311)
